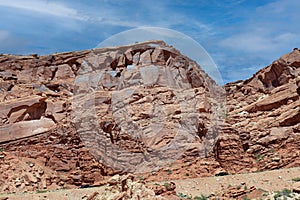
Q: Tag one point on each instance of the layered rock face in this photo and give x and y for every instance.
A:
(265, 111)
(141, 107)
(36, 125)
(74, 119)
(94, 113)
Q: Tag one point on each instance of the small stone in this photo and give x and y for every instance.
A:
(114, 180)
(18, 183)
(61, 183)
(41, 172)
(22, 186)
(276, 159)
(30, 178)
(296, 187)
(44, 184)
(26, 183)
(93, 196)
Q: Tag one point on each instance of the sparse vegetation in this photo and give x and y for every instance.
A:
(183, 196)
(202, 197)
(272, 150)
(169, 172)
(167, 185)
(140, 178)
(258, 157)
(297, 179)
(265, 194)
(227, 115)
(283, 193)
(41, 191)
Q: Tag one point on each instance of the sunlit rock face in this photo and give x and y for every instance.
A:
(138, 108)
(265, 110)
(72, 119)
(82, 116)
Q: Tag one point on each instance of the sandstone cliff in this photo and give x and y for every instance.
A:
(74, 119)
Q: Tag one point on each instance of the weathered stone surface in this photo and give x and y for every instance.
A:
(151, 100)
(125, 187)
(38, 104)
(9, 109)
(267, 107)
(145, 58)
(24, 129)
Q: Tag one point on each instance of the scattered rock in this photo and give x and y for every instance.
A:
(93, 196)
(296, 187)
(123, 187)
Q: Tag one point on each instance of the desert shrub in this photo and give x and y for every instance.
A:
(296, 179)
(202, 197)
(283, 193)
(184, 196)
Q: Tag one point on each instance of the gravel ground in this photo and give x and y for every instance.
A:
(271, 181)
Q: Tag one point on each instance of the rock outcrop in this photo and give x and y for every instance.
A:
(265, 111)
(126, 187)
(82, 117)
(95, 113)
(143, 106)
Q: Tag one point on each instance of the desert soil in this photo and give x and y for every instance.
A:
(270, 181)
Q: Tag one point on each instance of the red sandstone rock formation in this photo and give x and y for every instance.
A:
(64, 138)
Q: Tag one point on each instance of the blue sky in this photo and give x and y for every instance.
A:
(241, 36)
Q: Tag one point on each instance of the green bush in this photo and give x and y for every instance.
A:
(41, 191)
(202, 197)
(183, 196)
(284, 193)
(296, 179)
(167, 185)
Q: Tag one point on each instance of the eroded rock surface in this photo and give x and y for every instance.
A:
(85, 116)
(145, 106)
(91, 114)
(265, 111)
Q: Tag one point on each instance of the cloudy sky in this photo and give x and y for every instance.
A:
(241, 36)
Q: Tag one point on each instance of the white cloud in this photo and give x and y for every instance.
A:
(280, 7)
(9, 43)
(144, 13)
(3, 35)
(258, 42)
(43, 7)
(106, 13)
(273, 28)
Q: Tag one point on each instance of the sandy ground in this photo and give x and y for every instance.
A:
(269, 180)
